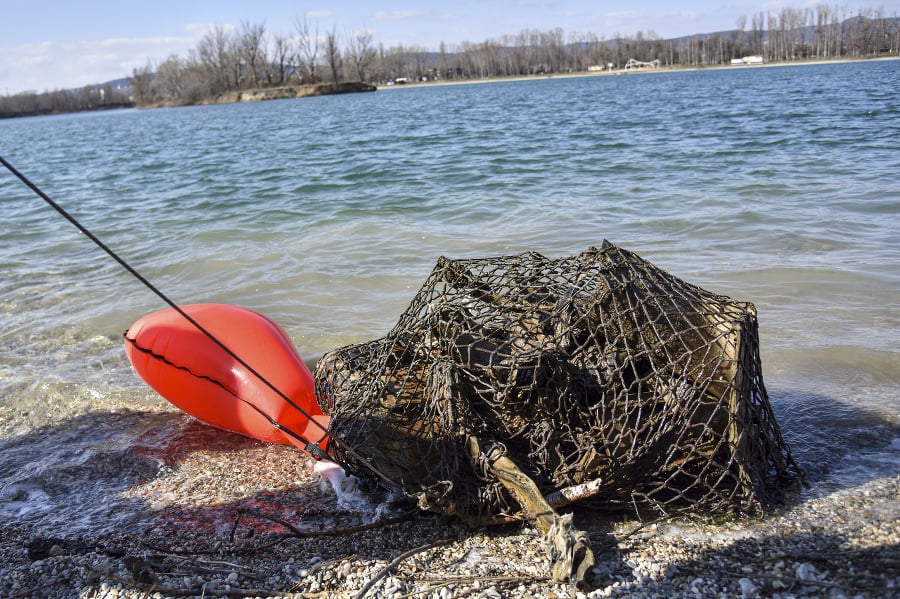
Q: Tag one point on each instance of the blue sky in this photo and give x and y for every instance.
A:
(60, 44)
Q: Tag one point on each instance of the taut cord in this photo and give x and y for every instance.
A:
(312, 448)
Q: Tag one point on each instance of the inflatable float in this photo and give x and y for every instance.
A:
(259, 386)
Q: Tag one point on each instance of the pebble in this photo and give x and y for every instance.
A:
(777, 556)
(806, 571)
(748, 589)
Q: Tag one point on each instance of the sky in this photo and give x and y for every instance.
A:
(62, 44)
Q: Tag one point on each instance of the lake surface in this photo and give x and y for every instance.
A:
(775, 185)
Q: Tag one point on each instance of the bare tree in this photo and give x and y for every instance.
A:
(140, 82)
(381, 71)
(333, 55)
(821, 31)
(444, 62)
(790, 27)
(308, 45)
(361, 53)
(579, 44)
(253, 68)
(557, 54)
(738, 39)
(168, 85)
(893, 34)
(520, 51)
(868, 40)
(283, 58)
(757, 34)
(214, 55)
(392, 61)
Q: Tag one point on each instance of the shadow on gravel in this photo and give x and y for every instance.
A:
(83, 491)
(803, 564)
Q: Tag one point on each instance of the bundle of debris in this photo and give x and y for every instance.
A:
(513, 385)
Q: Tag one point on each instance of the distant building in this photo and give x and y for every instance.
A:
(633, 64)
(748, 60)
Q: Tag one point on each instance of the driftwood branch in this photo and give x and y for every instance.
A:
(396, 562)
(336, 532)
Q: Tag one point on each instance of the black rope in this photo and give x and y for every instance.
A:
(312, 448)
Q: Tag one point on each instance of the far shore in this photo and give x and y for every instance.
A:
(305, 90)
(320, 89)
(606, 73)
(300, 91)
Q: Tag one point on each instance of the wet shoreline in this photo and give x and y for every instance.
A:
(204, 512)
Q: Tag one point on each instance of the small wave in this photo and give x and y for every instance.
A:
(22, 500)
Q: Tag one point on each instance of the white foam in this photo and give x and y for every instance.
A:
(20, 500)
(345, 487)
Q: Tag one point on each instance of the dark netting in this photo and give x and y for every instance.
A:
(597, 375)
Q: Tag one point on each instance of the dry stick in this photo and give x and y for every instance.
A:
(331, 562)
(234, 526)
(648, 523)
(185, 554)
(319, 566)
(466, 580)
(294, 532)
(327, 533)
(574, 493)
(556, 499)
(187, 564)
(396, 562)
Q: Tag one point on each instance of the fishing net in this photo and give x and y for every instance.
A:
(522, 379)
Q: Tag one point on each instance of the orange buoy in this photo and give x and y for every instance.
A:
(196, 374)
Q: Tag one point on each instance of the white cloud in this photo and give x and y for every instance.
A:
(399, 15)
(780, 4)
(53, 65)
(198, 30)
(629, 22)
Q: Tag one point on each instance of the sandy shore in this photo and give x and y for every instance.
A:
(214, 514)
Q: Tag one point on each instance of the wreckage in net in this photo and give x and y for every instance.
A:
(516, 383)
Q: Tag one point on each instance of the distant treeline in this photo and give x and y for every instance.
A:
(230, 60)
(91, 97)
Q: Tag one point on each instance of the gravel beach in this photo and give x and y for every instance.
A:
(209, 514)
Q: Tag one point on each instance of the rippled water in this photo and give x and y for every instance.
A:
(775, 185)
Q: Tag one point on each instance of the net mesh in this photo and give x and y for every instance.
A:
(599, 376)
